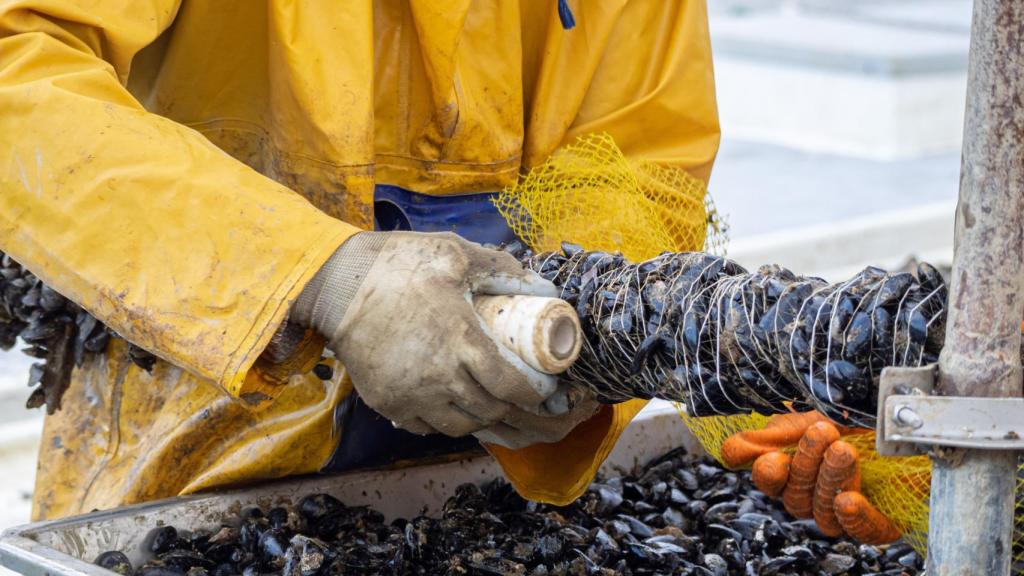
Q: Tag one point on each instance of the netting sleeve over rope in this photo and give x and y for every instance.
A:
(699, 329)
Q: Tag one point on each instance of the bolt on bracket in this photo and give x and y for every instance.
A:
(911, 419)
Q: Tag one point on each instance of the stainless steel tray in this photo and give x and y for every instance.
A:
(68, 546)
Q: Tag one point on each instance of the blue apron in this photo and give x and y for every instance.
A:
(369, 440)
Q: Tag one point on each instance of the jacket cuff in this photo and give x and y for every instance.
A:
(252, 386)
(324, 301)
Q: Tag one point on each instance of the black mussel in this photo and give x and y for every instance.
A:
(881, 323)
(893, 289)
(31, 298)
(141, 358)
(826, 393)
(842, 313)
(721, 531)
(97, 342)
(621, 323)
(774, 288)
(858, 336)
(596, 263)
(778, 565)
(635, 527)
(608, 498)
(691, 331)
(163, 539)
(323, 371)
(115, 562)
(86, 323)
(917, 327)
(800, 349)
(929, 277)
(845, 375)
(816, 312)
(909, 560)
(571, 250)
(50, 300)
(721, 513)
(273, 542)
(249, 533)
(648, 349)
(317, 506)
(38, 333)
(278, 517)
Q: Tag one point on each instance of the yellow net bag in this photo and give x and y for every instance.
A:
(590, 194)
(898, 487)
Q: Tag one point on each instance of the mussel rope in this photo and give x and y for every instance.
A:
(701, 330)
(689, 327)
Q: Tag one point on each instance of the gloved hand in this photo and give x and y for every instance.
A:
(821, 480)
(395, 308)
(522, 428)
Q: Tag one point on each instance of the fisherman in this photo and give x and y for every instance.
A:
(206, 178)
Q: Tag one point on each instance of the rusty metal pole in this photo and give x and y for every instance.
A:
(972, 496)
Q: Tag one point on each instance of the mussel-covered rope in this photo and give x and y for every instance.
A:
(701, 330)
(55, 329)
(689, 327)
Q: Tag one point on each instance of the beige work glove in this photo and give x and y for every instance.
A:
(396, 309)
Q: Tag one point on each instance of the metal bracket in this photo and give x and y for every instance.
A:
(900, 381)
(909, 418)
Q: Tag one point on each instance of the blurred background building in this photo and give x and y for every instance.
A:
(841, 125)
(841, 128)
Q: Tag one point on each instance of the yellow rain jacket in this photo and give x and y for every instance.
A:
(181, 168)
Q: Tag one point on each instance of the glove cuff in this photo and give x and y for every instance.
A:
(324, 301)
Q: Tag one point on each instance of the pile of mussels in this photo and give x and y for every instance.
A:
(55, 329)
(679, 515)
(699, 329)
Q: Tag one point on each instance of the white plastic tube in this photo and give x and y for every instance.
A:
(544, 332)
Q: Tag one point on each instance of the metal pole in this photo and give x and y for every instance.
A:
(971, 521)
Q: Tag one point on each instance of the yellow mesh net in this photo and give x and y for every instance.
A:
(590, 194)
(898, 487)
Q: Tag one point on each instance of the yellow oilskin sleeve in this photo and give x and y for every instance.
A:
(182, 249)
